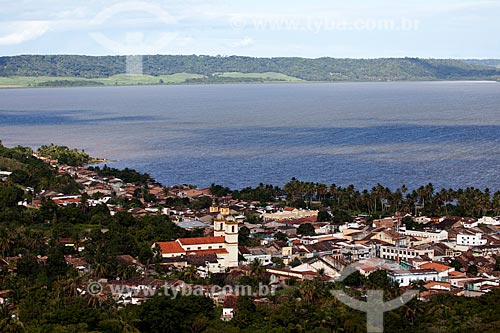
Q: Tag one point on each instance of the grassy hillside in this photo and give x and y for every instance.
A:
(127, 80)
(267, 76)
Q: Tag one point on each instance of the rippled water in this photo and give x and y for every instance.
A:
(412, 133)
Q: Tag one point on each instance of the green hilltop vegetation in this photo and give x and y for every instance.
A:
(64, 155)
(484, 62)
(78, 70)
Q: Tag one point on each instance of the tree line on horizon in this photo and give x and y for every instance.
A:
(377, 201)
(320, 69)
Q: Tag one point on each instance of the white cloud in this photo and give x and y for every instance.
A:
(25, 31)
(247, 41)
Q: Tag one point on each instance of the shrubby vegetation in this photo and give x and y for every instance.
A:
(484, 62)
(64, 155)
(28, 171)
(70, 83)
(127, 175)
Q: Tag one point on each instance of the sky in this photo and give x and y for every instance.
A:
(261, 28)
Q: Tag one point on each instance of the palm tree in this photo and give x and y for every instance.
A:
(443, 197)
(320, 274)
(335, 192)
(101, 268)
(70, 285)
(409, 313)
(496, 203)
(308, 291)
(125, 271)
(123, 317)
(397, 200)
(291, 188)
(190, 273)
(412, 309)
(94, 300)
(6, 244)
(321, 190)
(257, 271)
(36, 240)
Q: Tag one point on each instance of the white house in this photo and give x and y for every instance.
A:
(229, 307)
(430, 236)
(289, 213)
(486, 220)
(251, 254)
(405, 277)
(317, 264)
(421, 219)
(347, 226)
(468, 238)
(403, 253)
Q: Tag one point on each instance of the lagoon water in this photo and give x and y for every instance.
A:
(412, 133)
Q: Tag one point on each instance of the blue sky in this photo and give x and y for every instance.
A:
(315, 28)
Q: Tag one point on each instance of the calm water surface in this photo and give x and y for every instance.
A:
(412, 133)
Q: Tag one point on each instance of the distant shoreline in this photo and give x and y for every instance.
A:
(21, 86)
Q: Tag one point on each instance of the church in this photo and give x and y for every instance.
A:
(215, 253)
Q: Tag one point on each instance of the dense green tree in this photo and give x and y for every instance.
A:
(306, 229)
(324, 216)
(183, 313)
(281, 236)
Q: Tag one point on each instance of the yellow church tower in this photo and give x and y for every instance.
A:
(226, 225)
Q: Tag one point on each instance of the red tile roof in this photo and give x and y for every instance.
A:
(435, 266)
(67, 201)
(170, 247)
(230, 302)
(201, 240)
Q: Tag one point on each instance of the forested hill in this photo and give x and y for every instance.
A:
(484, 62)
(320, 69)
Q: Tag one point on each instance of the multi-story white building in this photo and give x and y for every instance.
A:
(468, 238)
(403, 253)
(405, 277)
(289, 214)
(485, 220)
(431, 236)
